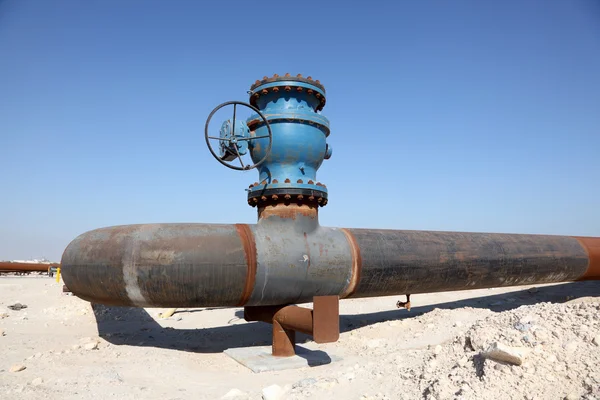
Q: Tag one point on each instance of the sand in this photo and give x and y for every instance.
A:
(60, 347)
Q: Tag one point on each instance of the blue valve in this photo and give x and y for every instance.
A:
(286, 139)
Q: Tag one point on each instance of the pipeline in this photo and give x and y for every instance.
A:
(8, 266)
(287, 261)
(287, 257)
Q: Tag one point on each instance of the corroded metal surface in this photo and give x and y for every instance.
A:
(408, 262)
(298, 259)
(160, 265)
(356, 264)
(322, 322)
(326, 319)
(289, 258)
(592, 248)
(249, 244)
(6, 266)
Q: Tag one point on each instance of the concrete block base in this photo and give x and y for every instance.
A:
(260, 359)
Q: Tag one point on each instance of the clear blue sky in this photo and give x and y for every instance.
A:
(445, 115)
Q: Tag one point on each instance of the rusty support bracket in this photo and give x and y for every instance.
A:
(404, 304)
(322, 322)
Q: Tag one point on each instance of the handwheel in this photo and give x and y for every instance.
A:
(232, 140)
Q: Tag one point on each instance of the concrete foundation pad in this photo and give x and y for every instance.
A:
(259, 359)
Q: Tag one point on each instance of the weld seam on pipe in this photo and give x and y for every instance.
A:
(249, 244)
(356, 265)
(591, 246)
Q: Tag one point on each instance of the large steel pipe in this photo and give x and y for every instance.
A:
(289, 258)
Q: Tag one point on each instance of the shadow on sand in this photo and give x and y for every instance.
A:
(135, 327)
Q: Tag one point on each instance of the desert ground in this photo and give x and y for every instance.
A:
(61, 347)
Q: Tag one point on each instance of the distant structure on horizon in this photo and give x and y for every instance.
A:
(43, 260)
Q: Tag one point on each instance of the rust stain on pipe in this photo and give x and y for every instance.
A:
(592, 247)
(291, 211)
(356, 264)
(249, 244)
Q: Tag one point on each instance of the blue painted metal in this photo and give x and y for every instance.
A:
(291, 106)
(230, 146)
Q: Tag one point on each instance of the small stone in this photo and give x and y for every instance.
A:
(273, 392)
(327, 383)
(75, 347)
(437, 349)
(37, 381)
(572, 396)
(458, 324)
(374, 343)
(559, 367)
(533, 290)
(2, 332)
(17, 306)
(571, 346)
(349, 376)
(305, 383)
(500, 352)
(17, 368)
(233, 393)
(91, 346)
(596, 340)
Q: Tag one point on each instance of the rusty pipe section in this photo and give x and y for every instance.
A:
(7, 266)
(288, 258)
(289, 317)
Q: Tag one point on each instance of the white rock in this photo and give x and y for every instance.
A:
(437, 349)
(500, 352)
(572, 396)
(2, 332)
(37, 381)
(91, 346)
(326, 383)
(458, 324)
(233, 393)
(17, 368)
(373, 343)
(571, 346)
(273, 392)
(349, 376)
